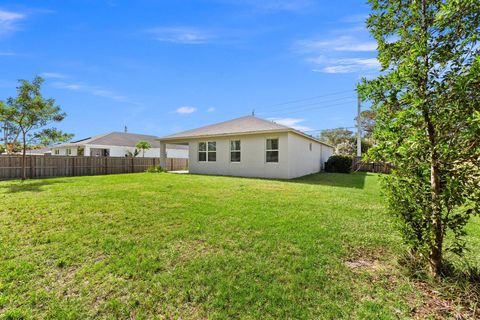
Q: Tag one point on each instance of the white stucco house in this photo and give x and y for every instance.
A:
(117, 144)
(250, 147)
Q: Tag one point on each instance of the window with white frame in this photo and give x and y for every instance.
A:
(207, 151)
(69, 152)
(272, 150)
(57, 151)
(235, 151)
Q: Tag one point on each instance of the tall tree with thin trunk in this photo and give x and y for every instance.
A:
(29, 111)
(427, 105)
(143, 145)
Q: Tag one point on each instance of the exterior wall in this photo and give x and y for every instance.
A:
(302, 160)
(117, 151)
(252, 163)
(63, 151)
(327, 152)
(295, 157)
(176, 153)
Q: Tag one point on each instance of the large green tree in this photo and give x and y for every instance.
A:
(343, 141)
(427, 104)
(28, 112)
(50, 136)
(367, 123)
(9, 132)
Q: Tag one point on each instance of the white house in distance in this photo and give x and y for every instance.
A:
(117, 144)
(251, 147)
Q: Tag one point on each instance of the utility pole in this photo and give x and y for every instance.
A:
(359, 134)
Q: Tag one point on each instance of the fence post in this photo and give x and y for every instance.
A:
(31, 168)
(73, 166)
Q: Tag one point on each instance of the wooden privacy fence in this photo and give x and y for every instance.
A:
(63, 166)
(378, 167)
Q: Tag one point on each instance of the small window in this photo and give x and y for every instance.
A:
(310, 147)
(69, 152)
(57, 152)
(235, 151)
(272, 150)
(207, 151)
(80, 151)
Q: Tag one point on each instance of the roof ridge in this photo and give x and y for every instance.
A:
(271, 121)
(211, 125)
(95, 138)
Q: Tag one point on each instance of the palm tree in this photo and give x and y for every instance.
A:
(143, 145)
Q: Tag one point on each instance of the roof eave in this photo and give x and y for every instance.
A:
(186, 138)
(166, 139)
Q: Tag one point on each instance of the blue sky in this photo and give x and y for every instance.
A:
(166, 66)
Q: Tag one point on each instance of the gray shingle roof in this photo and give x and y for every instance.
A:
(246, 124)
(120, 139)
(243, 125)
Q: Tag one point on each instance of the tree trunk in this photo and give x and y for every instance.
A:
(5, 136)
(436, 249)
(24, 157)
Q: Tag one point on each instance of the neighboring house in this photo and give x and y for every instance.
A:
(251, 147)
(117, 144)
(38, 152)
(32, 152)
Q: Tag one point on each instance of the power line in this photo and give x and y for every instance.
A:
(304, 99)
(313, 104)
(320, 107)
(317, 130)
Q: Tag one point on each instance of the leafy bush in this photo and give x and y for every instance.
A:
(337, 163)
(155, 169)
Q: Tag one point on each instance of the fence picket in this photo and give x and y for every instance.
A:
(377, 167)
(61, 166)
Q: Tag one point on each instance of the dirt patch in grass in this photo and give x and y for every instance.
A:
(369, 260)
(186, 250)
(432, 304)
(447, 298)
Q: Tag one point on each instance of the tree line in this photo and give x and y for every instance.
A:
(344, 141)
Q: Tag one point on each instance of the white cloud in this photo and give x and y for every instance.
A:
(291, 122)
(342, 43)
(9, 20)
(186, 110)
(282, 5)
(211, 109)
(349, 50)
(273, 5)
(53, 75)
(93, 90)
(184, 35)
(7, 53)
(349, 65)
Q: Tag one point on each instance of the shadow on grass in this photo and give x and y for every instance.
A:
(346, 180)
(28, 185)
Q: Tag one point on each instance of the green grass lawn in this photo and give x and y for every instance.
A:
(194, 247)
